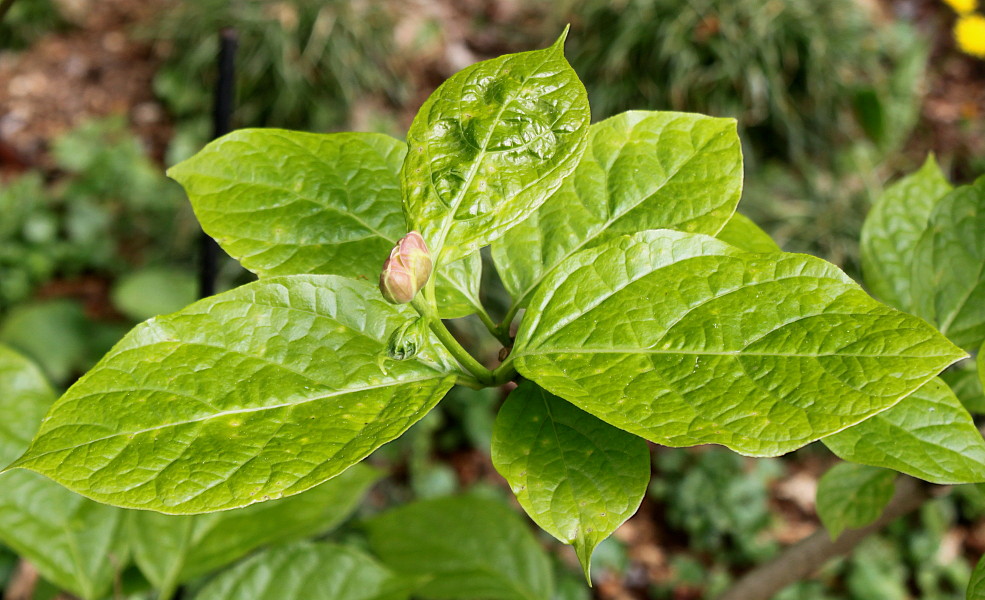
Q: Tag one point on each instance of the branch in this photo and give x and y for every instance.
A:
(807, 556)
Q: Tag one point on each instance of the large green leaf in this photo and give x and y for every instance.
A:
(743, 233)
(850, 496)
(471, 548)
(964, 380)
(254, 394)
(490, 145)
(929, 435)
(305, 571)
(292, 203)
(641, 170)
(577, 477)
(892, 229)
(976, 586)
(171, 549)
(74, 543)
(949, 267)
(683, 340)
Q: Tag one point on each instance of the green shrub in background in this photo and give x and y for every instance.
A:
(26, 21)
(793, 72)
(300, 63)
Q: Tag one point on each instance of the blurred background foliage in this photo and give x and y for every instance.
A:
(833, 99)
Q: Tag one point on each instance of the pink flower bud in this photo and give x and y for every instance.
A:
(406, 270)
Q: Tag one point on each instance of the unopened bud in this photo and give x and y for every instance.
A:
(408, 339)
(406, 270)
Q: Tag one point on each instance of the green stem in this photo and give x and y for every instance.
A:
(496, 330)
(504, 327)
(481, 374)
(504, 372)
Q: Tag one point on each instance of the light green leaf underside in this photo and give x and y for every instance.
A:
(949, 265)
(683, 340)
(576, 476)
(850, 496)
(744, 234)
(641, 170)
(470, 548)
(172, 549)
(292, 203)
(306, 571)
(257, 393)
(929, 435)
(490, 145)
(976, 586)
(73, 542)
(892, 229)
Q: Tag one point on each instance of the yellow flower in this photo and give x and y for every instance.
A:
(962, 7)
(969, 31)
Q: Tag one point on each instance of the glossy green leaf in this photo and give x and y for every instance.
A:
(949, 267)
(741, 232)
(929, 435)
(577, 477)
(683, 340)
(293, 203)
(490, 145)
(641, 170)
(850, 496)
(257, 393)
(305, 571)
(74, 543)
(469, 547)
(964, 380)
(171, 549)
(892, 229)
(980, 364)
(976, 586)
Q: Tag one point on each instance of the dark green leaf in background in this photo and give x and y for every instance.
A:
(892, 229)
(641, 170)
(490, 145)
(684, 340)
(929, 435)
(250, 395)
(964, 380)
(471, 548)
(576, 476)
(976, 587)
(850, 496)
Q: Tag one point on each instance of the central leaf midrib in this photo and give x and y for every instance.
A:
(35, 457)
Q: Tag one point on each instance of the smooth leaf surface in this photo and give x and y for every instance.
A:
(257, 393)
(471, 548)
(490, 145)
(929, 435)
(293, 203)
(949, 266)
(976, 586)
(74, 543)
(741, 232)
(641, 170)
(850, 496)
(305, 571)
(576, 476)
(684, 340)
(892, 229)
(172, 549)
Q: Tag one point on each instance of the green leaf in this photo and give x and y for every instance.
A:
(949, 265)
(490, 145)
(291, 203)
(154, 291)
(470, 548)
(305, 570)
(641, 170)
(73, 542)
(976, 586)
(850, 496)
(172, 549)
(892, 229)
(963, 379)
(683, 340)
(929, 435)
(743, 233)
(577, 477)
(257, 393)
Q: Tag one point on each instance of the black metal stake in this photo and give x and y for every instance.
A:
(225, 96)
